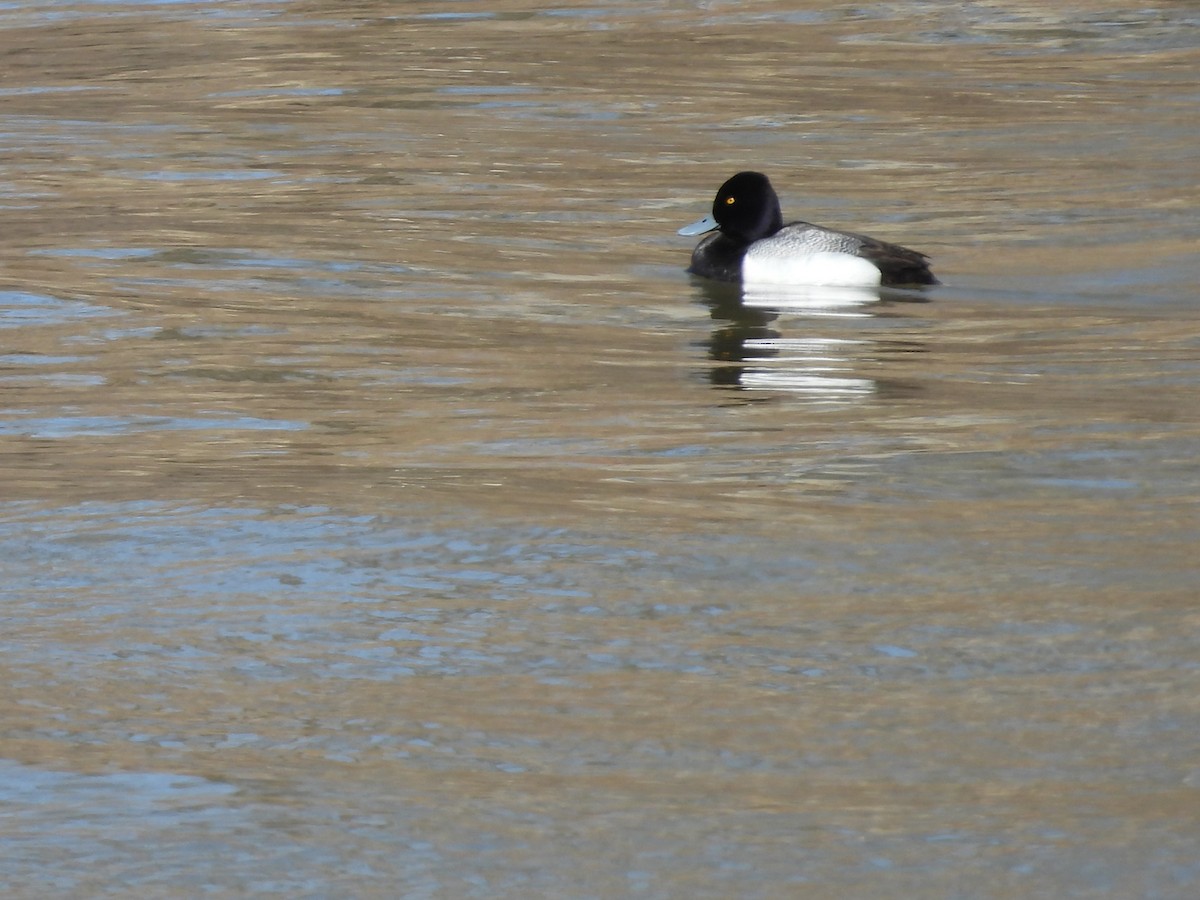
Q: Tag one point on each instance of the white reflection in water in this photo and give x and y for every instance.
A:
(818, 367)
(812, 299)
(839, 333)
(821, 364)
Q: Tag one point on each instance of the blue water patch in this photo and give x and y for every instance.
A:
(35, 90)
(358, 597)
(58, 12)
(172, 175)
(21, 309)
(895, 652)
(455, 16)
(278, 92)
(381, 598)
(60, 379)
(105, 253)
(35, 359)
(68, 426)
(133, 793)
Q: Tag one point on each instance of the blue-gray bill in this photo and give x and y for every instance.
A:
(700, 226)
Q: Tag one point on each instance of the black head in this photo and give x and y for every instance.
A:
(747, 208)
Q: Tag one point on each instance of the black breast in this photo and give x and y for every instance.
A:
(718, 256)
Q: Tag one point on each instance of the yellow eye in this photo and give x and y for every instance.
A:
(729, 201)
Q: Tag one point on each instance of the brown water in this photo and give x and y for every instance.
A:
(384, 512)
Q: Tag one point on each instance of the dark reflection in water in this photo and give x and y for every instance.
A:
(727, 343)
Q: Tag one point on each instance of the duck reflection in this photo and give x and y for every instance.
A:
(752, 351)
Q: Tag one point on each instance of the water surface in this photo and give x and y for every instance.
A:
(384, 512)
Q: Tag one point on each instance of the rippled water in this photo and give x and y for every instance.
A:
(384, 512)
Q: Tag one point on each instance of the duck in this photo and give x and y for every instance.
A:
(751, 244)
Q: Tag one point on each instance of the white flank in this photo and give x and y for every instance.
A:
(764, 265)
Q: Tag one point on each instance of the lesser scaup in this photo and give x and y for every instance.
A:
(753, 246)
